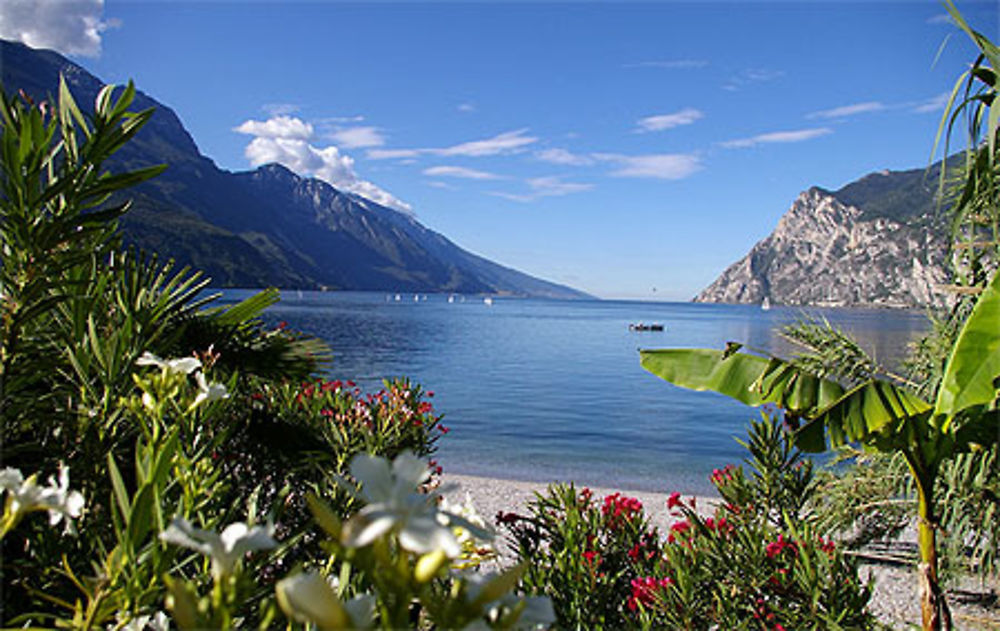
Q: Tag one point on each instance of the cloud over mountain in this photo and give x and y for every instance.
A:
(72, 27)
(285, 140)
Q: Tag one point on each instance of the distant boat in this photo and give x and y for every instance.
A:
(765, 304)
(398, 298)
(451, 299)
(641, 326)
(416, 297)
(488, 301)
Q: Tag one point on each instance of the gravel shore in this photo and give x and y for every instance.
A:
(973, 606)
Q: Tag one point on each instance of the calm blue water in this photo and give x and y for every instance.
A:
(546, 390)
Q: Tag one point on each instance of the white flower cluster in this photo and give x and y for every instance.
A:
(225, 548)
(25, 496)
(394, 504)
(207, 392)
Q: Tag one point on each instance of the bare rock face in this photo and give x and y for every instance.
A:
(827, 253)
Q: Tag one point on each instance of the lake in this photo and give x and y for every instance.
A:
(552, 390)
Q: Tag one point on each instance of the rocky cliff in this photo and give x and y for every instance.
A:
(883, 249)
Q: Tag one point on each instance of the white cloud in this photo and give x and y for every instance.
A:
(750, 77)
(562, 156)
(72, 27)
(442, 185)
(507, 142)
(662, 166)
(279, 109)
(661, 122)
(501, 144)
(285, 140)
(466, 107)
(554, 186)
(935, 104)
(849, 110)
(358, 137)
(285, 127)
(551, 186)
(461, 172)
(778, 137)
(941, 18)
(389, 154)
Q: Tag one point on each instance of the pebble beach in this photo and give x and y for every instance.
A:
(973, 605)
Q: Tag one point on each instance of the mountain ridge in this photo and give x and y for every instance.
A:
(268, 226)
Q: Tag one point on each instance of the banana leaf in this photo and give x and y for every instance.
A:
(747, 378)
(973, 369)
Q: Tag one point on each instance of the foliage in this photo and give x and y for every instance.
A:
(757, 563)
(164, 456)
(583, 554)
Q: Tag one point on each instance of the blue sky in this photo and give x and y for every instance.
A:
(614, 147)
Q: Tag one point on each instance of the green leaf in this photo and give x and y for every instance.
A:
(974, 365)
(863, 413)
(121, 495)
(747, 378)
(140, 520)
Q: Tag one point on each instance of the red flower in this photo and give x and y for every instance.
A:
(644, 591)
(443, 429)
(776, 548)
(617, 507)
(674, 500)
(678, 528)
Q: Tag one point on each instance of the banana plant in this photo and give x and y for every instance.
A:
(877, 413)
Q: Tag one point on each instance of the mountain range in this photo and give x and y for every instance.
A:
(879, 241)
(269, 226)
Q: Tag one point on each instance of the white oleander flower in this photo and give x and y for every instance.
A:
(308, 597)
(208, 392)
(157, 622)
(393, 504)
(467, 511)
(225, 548)
(25, 496)
(182, 365)
(536, 612)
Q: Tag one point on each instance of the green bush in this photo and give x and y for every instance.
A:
(182, 466)
(758, 562)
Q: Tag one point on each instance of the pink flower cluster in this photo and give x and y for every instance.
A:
(645, 591)
(776, 548)
(721, 477)
(618, 507)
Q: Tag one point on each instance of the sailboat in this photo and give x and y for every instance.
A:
(765, 304)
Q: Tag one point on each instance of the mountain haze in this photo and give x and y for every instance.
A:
(268, 226)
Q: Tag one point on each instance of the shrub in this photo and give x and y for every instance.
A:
(757, 563)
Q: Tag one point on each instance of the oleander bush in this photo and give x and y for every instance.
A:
(758, 562)
(188, 449)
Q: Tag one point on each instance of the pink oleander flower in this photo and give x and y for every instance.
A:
(674, 500)
(776, 548)
(645, 591)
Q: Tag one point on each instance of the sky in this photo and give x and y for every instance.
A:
(630, 150)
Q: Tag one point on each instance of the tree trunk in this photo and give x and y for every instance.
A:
(934, 609)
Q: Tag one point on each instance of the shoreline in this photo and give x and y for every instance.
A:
(491, 495)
